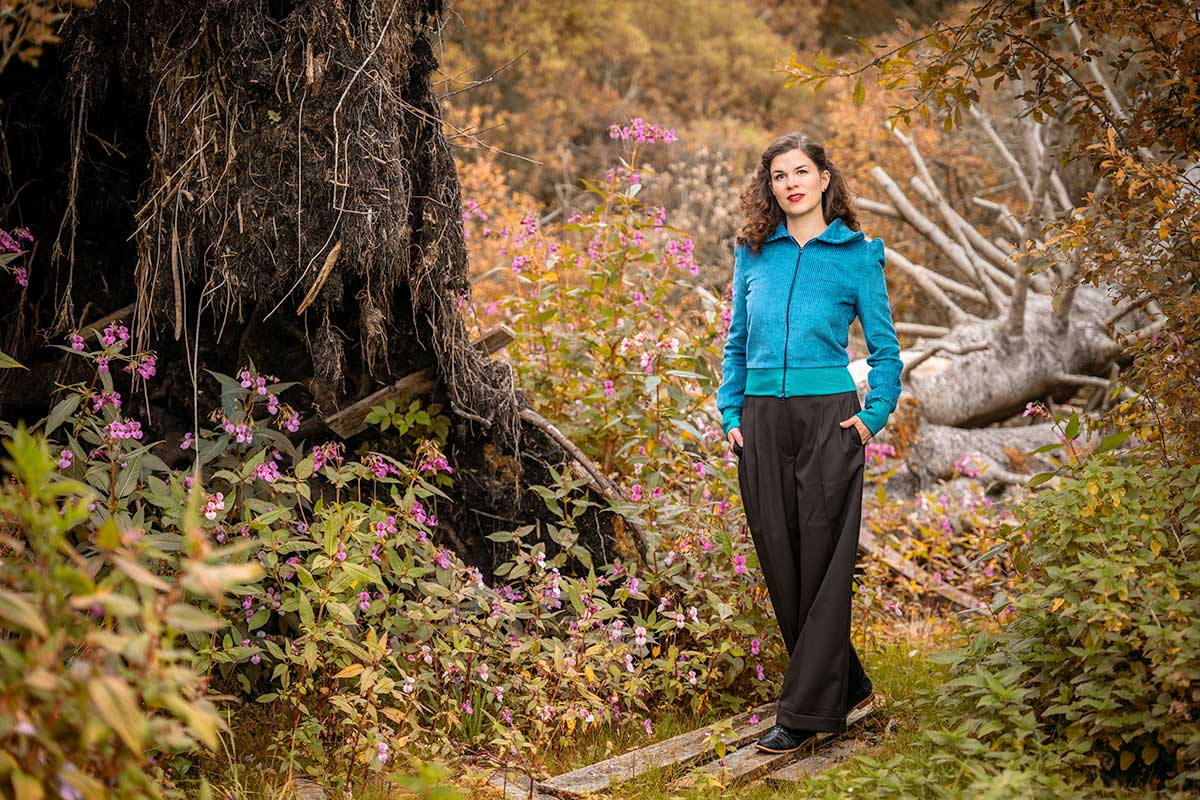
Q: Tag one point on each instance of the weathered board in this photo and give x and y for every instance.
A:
(683, 749)
(818, 762)
(749, 762)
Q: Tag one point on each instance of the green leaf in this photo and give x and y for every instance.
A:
(117, 705)
(61, 411)
(188, 618)
(1072, 426)
(1112, 441)
(8, 362)
(19, 611)
(860, 94)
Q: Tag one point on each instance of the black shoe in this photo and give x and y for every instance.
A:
(782, 739)
(860, 696)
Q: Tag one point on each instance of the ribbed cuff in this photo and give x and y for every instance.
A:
(730, 419)
(875, 416)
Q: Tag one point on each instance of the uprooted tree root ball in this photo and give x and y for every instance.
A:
(293, 202)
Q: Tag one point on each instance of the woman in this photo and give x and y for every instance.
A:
(803, 270)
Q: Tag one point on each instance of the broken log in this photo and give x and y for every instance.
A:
(352, 419)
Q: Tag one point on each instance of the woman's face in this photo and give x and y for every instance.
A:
(796, 182)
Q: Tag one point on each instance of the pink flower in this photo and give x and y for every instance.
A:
(754, 645)
(65, 458)
(758, 672)
(364, 600)
(76, 342)
(639, 635)
(739, 565)
(214, 503)
(102, 364)
(467, 707)
(187, 441)
(753, 719)
(646, 725)
(443, 559)
(635, 494)
(147, 368)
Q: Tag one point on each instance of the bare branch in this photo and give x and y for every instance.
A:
(923, 331)
(1015, 324)
(923, 224)
(985, 122)
(875, 207)
(994, 260)
(953, 220)
(1007, 217)
(955, 349)
(921, 276)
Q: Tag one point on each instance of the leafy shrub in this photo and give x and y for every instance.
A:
(1104, 652)
(96, 685)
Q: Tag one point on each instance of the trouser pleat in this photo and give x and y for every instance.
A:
(801, 478)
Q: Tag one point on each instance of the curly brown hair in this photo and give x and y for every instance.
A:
(762, 211)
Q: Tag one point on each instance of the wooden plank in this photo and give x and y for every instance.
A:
(748, 763)
(352, 419)
(514, 785)
(818, 762)
(685, 748)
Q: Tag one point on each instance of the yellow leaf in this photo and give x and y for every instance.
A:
(571, 725)
(1155, 546)
(1058, 602)
(590, 674)
(350, 671)
(1126, 759)
(1093, 488)
(654, 651)
(1174, 591)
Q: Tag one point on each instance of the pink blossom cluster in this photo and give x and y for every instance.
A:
(112, 334)
(878, 452)
(385, 526)
(65, 458)
(681, 251)
(529, 227)
(146, 368)
(127, 429)
(423, 517)
(242, 432)
(969, 465)
(267, 471)
(473, 210)
(436, 464)
(214, 503)
(444, 558)
(105, 398)
(328, 453)
(11, 243)
(256, 382)
(640, 132)
(551, 595)
(380, 467)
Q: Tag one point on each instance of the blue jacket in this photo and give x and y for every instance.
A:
(792, 309)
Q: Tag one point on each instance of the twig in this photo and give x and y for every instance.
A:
(954, 349)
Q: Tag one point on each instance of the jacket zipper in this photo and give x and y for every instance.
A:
(787, 318)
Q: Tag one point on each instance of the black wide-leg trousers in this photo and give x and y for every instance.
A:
(801, 478)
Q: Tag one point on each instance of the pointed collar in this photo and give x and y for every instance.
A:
(836, 233)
